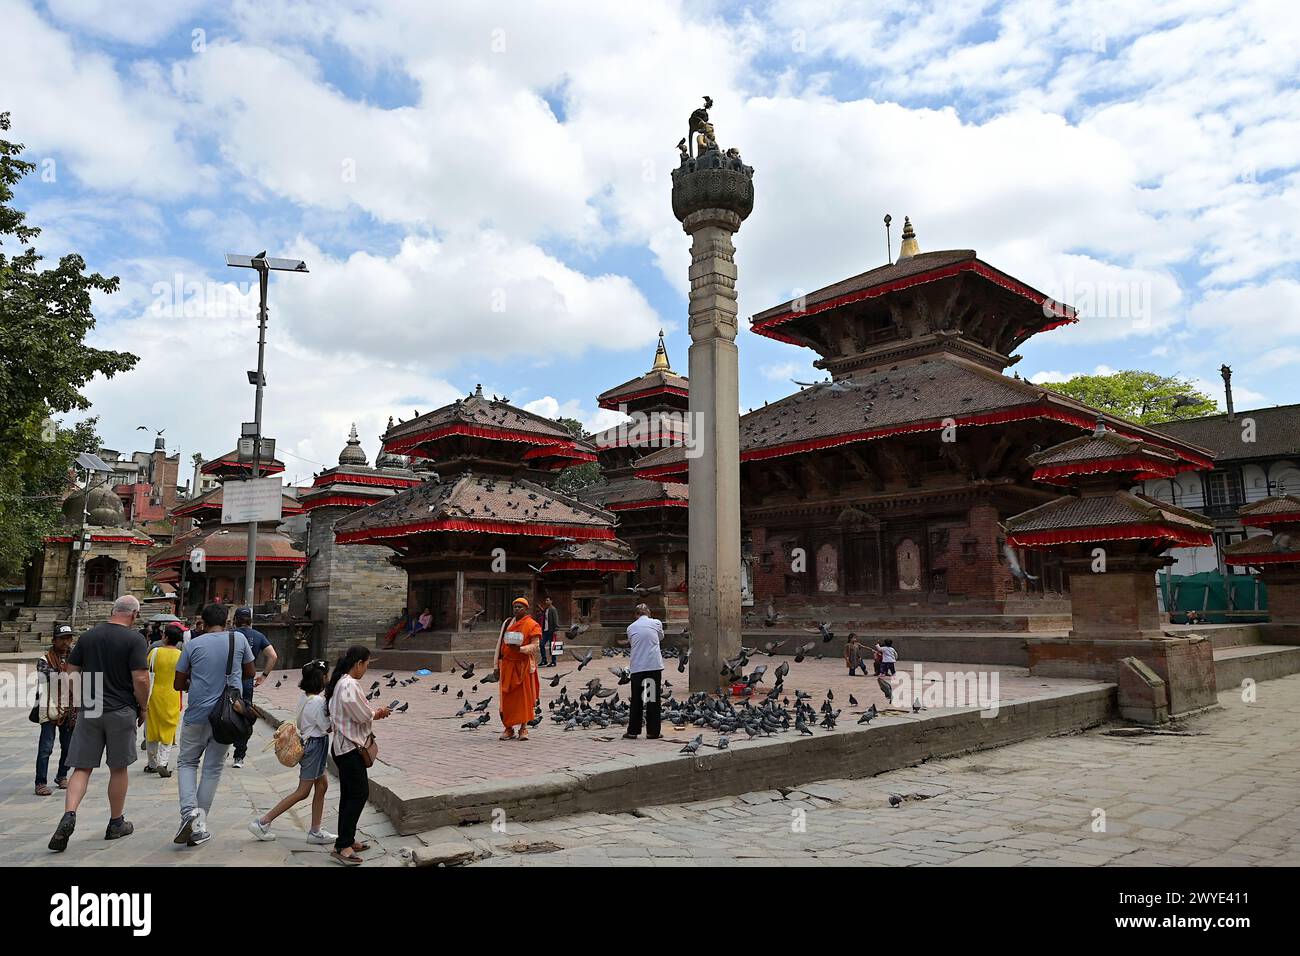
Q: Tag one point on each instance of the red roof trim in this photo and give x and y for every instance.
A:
(179, 559)
(610, 565)
(1277, 517)
(675, 470)
(381, 481)
(572, 453)
(653, 503)
(1067, 314)
(326, 501)
(1263, 558)
(105, 538)
(613, 403)
(532, 529)
(408, 444)
(1155, 531)
(1141, 466)
(228, 461)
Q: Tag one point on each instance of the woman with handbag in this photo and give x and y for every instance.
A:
(515, 664)
(55, 714)
(354, 747)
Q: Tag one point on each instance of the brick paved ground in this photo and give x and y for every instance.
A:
(1227, 792)
(428, 745)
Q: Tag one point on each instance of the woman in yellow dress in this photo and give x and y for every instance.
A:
(164, 714)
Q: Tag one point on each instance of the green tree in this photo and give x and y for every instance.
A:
(573, 479)
(1143, 397)
(45, 315)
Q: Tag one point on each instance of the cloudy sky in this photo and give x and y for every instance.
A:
(481, 190)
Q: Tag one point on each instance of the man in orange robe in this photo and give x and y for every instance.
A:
(516, 665)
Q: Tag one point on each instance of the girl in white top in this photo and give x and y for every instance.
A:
(314, 728)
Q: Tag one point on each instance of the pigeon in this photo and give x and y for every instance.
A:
(770, 619)
(824, 629)
(800, 726)
(623, 674)
(781, 670)
(640, 591)
(916, 706)
(401, 708)
(682, 662)
(853, 701)
(802, 650)
(467, 667)
(895, 800)
(886, 688)
(1013, 565)
(830, 694)
(490, 678)
(582, 659)
(575, 629)
(771, 647)
(556, 678)
(694, 745)
(469, 622)
(723, 742)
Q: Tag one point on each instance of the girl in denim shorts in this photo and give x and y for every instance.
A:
(313, 780)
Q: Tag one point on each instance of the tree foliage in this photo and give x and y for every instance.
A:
(573, 479)
(45, 316)
(1142, 397)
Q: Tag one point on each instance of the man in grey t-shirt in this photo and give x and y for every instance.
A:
(202, 672)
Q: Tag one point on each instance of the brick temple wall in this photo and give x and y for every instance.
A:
(352, 590)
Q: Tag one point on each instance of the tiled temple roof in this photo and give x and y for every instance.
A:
(1120, 515)
(611, 554)
(212, 501)
(631, 492)
(1105, 453)
(901, 399)
(1276, 548)
(229, 545)
(229, 462)
(476, 503)
(654, 382)
(1278, 509)
(1276, 433)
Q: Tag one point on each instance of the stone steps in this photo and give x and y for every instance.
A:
(1232, 665)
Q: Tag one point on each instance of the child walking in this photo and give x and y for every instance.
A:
(888, 657)
(314, 729)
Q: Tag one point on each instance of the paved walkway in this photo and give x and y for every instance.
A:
(1224, 791)
(429, 747)
(153, 807)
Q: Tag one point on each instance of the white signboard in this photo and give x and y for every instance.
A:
(257, 499)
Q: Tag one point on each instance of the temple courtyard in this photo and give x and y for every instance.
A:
(1218, 788)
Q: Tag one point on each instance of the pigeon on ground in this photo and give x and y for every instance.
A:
(916, 706)
(895, 800)
(694, 745)
(853, 701)
(886, 688)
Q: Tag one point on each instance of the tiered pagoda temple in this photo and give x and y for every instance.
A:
(485, 526)
(878, 495)
(652, 513)
(1112, 542)
(1275, 556)
(355, 591)
(225, 547)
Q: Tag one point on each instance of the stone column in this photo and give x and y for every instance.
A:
(712, 195)
(714, 516)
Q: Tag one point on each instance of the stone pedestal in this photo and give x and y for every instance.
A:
(1116, 617)
(1283, 584)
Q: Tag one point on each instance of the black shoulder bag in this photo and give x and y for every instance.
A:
(231, 718)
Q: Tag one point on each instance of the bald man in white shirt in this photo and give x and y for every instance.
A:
(647, 666)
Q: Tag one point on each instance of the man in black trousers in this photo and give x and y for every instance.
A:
(647, 666)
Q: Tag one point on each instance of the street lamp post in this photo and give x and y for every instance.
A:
(263, 267)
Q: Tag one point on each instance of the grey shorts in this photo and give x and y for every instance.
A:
(113, 732)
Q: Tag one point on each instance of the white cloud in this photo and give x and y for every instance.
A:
(106, 129)
(138, 22)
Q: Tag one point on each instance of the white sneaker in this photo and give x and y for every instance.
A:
(189, 826)
(321, 836)
(261, 832)
(239, 763)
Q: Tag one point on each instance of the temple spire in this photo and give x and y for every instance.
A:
(910, 246)
(661, 356)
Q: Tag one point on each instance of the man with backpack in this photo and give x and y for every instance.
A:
(209, 665)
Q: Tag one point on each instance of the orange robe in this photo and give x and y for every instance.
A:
(520, 687)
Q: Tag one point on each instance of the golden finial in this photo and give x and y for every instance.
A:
(661, 356)
(910, 246)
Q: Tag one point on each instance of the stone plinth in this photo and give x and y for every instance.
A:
(1118, 602)
(1283, 583)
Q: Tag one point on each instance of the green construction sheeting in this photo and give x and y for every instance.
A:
(1207, 594)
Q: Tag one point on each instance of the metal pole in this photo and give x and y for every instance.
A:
(250, 570)
(81, 551)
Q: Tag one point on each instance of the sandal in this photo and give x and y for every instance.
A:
(62, 784)
(43, 791)
(338, 857)
(523, 736)
(360, 847)
(508, 735)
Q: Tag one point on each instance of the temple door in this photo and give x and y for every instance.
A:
(862, 564)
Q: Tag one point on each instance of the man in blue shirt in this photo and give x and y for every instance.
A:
(257, 642)
(202, 673)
